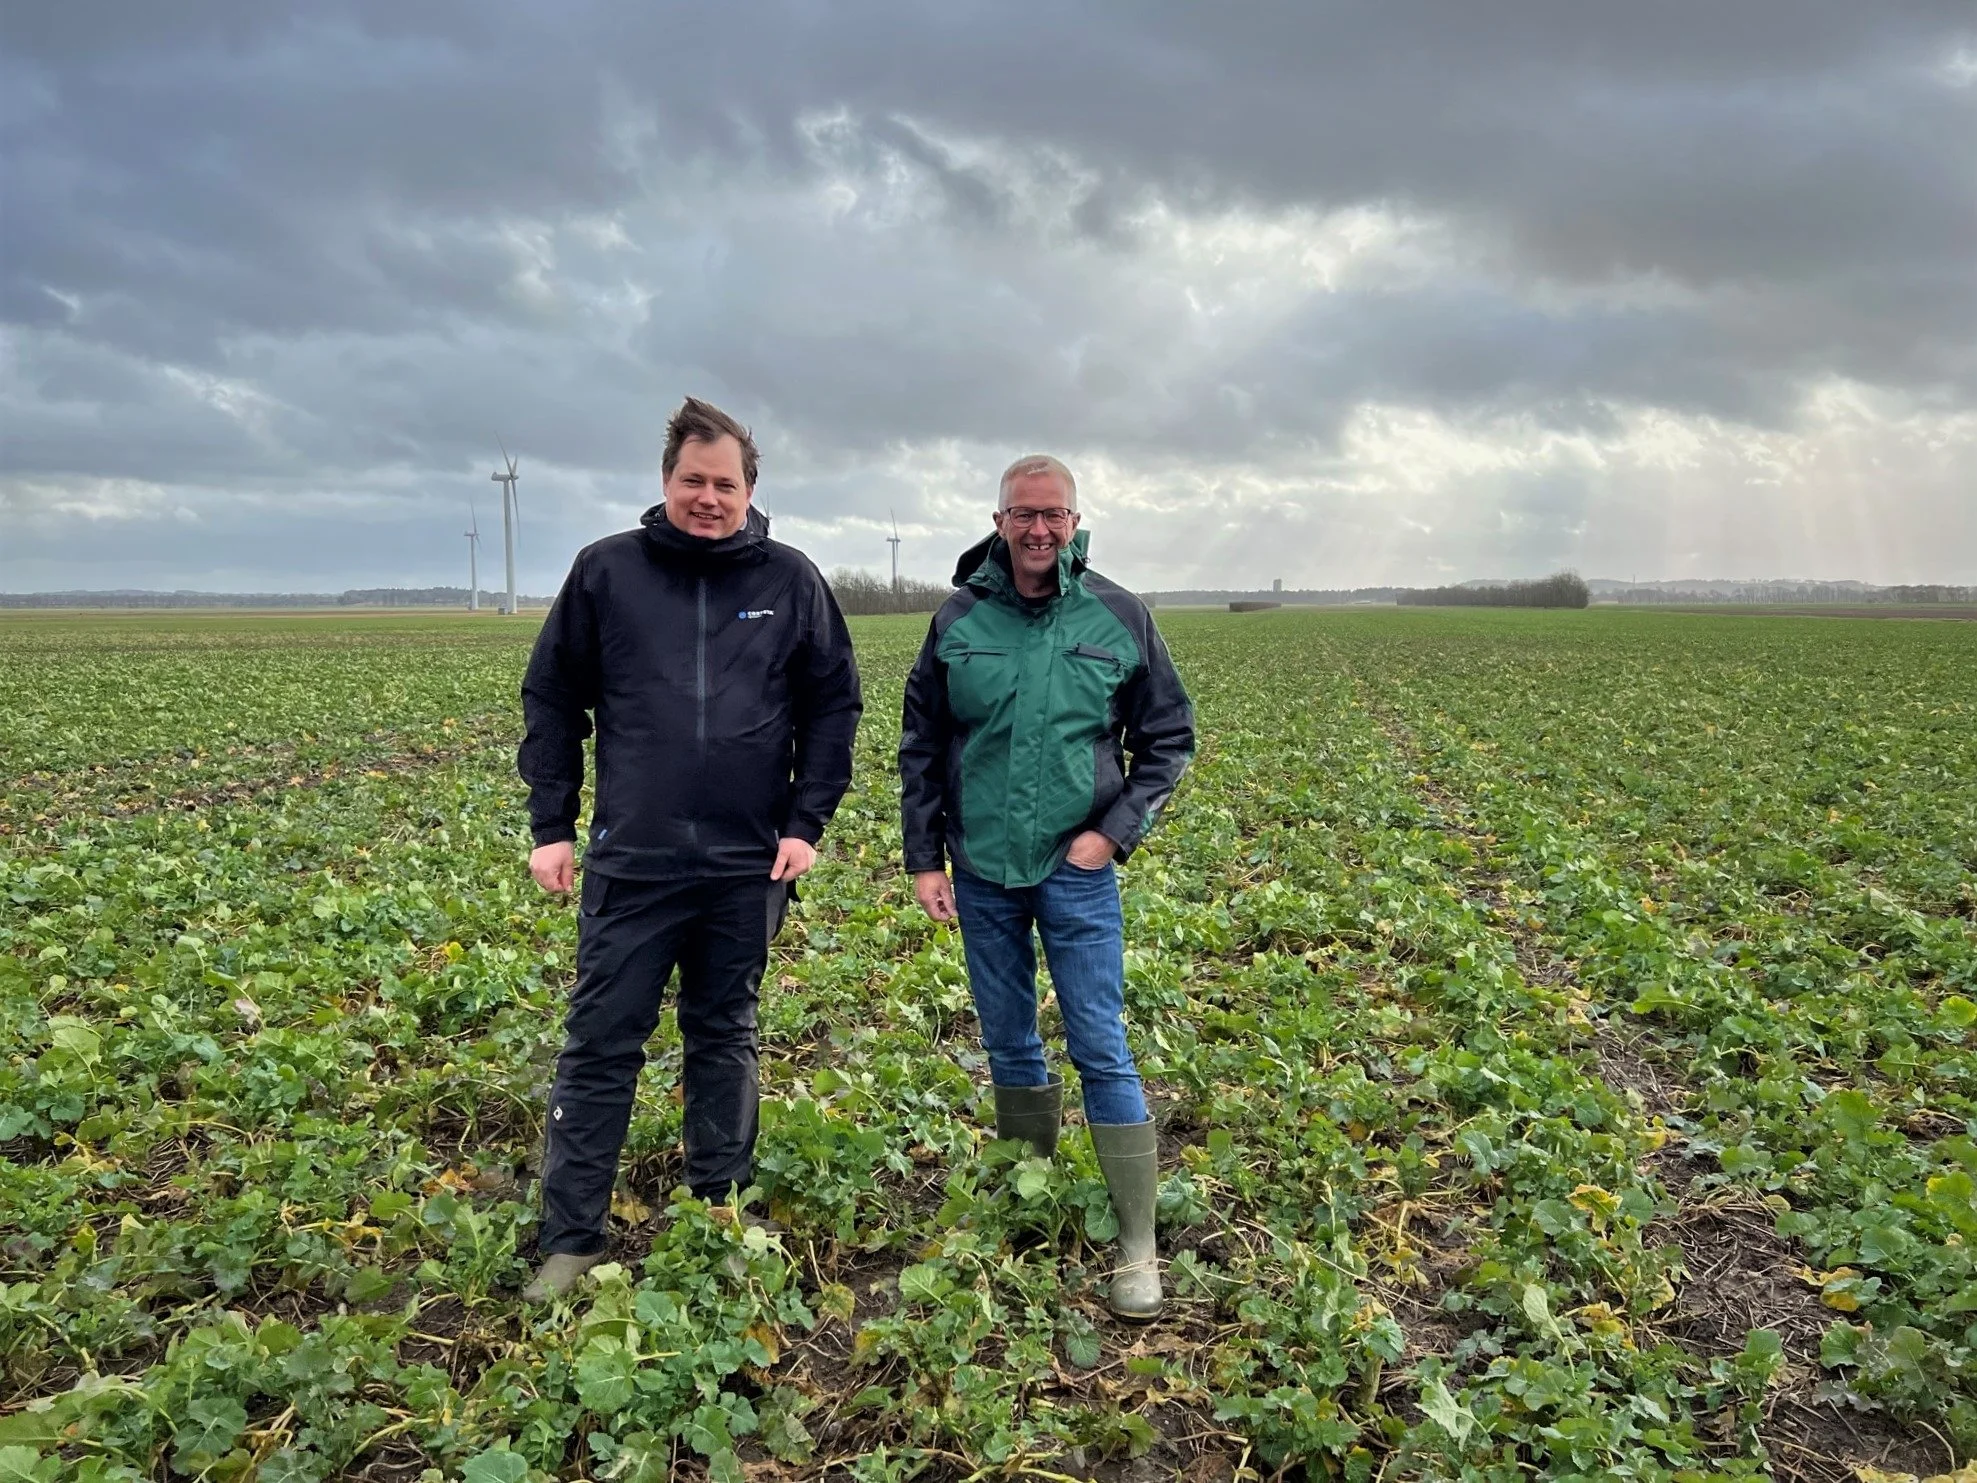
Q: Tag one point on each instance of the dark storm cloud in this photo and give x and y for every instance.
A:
(338, 249)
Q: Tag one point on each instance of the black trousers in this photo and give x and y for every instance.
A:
(630, 937)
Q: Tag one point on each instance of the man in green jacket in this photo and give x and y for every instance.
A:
(1037, 680)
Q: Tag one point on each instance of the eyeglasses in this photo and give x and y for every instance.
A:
(1022, 519)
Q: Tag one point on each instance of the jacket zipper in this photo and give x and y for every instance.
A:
(1043, 633)
(700, 672)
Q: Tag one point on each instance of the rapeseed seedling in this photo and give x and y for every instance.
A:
(1560, 1028)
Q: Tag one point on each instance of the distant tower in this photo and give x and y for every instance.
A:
(893, 541)
(1277, 585)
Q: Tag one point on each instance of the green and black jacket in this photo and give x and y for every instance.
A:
(1020, 715)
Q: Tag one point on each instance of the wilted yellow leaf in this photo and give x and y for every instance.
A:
(762, 1334)
(1604, 1322)
(1835, 1287)
(630, 1208)
(1598, 1203)
(835, 1300)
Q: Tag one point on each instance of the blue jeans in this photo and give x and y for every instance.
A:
(1076, 913)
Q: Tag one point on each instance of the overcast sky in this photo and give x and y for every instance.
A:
(1340, 294)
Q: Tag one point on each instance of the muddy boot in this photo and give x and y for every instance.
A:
(557, 1275)
(1128, 1155)
(1032, 1114)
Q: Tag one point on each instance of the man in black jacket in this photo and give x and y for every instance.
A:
(726, 698)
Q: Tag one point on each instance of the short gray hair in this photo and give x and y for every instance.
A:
(1036, 463)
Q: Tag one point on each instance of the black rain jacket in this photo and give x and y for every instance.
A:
(726, 700)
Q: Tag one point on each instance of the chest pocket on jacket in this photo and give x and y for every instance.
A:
(1085, 681)
(981, 680)
(747, 677)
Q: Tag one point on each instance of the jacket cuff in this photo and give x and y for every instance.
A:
(554, 833)
(1123, 826)
(803, 829)
(919, 861)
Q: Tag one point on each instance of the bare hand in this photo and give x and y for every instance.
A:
(554, 866)
(1091, 851)
(936, 894)
(793, 857)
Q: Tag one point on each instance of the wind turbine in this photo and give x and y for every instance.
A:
(893, 541)
(511, 516)
(473, 534)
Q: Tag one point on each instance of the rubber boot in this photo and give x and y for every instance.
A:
(558, 1274)
(1129, 1157)
(1032, 1114)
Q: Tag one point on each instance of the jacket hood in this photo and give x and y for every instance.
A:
(989, 560)
(663, 536)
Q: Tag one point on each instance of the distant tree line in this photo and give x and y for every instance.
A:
(1931, 592)
(1559, 590)
(867, 592)
(1208, 597)
(857, 592)
(374, 597)
(1797, 593)
(428, 597)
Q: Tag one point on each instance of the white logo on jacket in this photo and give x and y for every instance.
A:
(747, 613)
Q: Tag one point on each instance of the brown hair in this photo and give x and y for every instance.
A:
(703, 422)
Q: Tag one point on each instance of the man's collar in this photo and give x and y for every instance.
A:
(665, 536)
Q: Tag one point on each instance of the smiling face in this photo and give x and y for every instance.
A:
(1038, 518)
(707, 494)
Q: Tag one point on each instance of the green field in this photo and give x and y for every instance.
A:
(1563, 1028)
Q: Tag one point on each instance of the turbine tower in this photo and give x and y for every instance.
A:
(511, 516)
(473, 534)
(893, 541)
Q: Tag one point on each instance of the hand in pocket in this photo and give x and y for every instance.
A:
(1091, 851)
